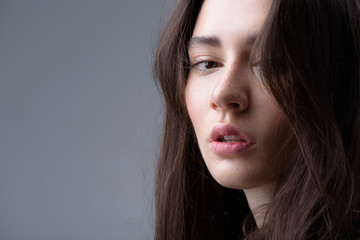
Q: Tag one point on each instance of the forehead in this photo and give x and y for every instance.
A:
(231, 19)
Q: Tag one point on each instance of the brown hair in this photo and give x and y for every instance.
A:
(310, 57)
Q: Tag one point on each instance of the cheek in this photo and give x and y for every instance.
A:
(197, 103)
(278, 124)
(270, 118)
(280, 140)
(274, 132)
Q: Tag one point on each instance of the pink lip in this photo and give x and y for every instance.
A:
(228, 148)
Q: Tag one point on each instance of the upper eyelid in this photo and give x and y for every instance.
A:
(204, 57)
(198, 52)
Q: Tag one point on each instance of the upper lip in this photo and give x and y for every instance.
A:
(221, 130)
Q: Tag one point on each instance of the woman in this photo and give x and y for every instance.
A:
(261, 121)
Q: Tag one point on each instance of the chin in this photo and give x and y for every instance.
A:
(233, 179)
(240, 177)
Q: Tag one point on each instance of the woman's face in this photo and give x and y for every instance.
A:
(239, 127)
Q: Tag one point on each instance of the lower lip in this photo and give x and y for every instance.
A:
(229, 148)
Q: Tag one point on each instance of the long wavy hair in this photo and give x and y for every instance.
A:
(310, 62)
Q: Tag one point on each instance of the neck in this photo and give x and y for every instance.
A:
(258, 199)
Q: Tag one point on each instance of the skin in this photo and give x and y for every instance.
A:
(223, 90)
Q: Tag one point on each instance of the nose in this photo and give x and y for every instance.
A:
(231, 92)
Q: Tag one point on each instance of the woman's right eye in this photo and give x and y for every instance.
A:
(204, 65)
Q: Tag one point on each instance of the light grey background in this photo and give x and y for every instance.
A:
(79, 118)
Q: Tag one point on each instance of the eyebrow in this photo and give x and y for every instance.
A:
(211, 41)
(214, 41)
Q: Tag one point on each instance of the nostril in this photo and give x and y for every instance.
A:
(236, 105)
(213, 105)
(232, 102)
(229, 106)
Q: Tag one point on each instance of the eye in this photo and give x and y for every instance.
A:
(204, 65)
(209, 64)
